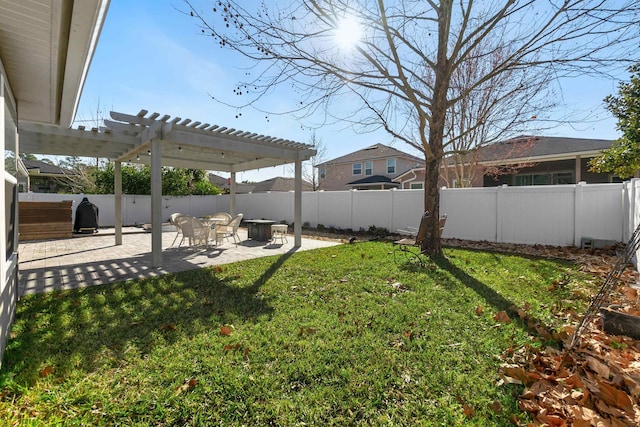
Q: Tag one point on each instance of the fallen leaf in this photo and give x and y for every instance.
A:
(186, 386)
(502, 317)
(47, 370)
(598, 367)
(230, 347)
(478, 310)
(468, 411)
(629, 293)
(496, 407)
(515, 375)
(614, 396)
(168, 327)
(225, 331)
(308, 331)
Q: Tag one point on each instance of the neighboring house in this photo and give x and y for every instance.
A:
(372, 168)
(44, 177)
(543, 160)
(525, 160)
(273, 184)
(220, 182)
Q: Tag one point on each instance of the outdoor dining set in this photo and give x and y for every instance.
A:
(214, 229)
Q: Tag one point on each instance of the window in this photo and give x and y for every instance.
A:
(357, 168)
(368, 168)
(563, 178)
(544, 178)
(391, 166)
(465, 183)
(323, 172)
(416, 186)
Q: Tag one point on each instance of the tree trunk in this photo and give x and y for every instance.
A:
(431, 245)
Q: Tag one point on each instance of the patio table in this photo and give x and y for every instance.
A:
(211, 222)
(259, 229)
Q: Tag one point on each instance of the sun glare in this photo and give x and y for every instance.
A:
(348, 33)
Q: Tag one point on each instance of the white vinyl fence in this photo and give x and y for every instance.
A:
(558, 215)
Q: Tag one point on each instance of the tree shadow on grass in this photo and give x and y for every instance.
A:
(534, 326)
(490, 295)
(90, 328)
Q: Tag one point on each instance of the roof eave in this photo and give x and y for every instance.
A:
(87, 20)
(546, 158)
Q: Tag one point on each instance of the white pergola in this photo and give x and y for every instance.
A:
(164, 141)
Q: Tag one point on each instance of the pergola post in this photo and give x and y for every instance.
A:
(232, 192)
(117, 184)
(156, 202)
(297, 205)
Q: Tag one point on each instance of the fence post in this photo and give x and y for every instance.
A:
(578, 213)
(352, 192)
(632, 208)
(627, 208)
(499, 201)
(392, 210)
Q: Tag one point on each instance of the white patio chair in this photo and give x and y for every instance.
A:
(229, 230)
(193, 230)
(172, 221)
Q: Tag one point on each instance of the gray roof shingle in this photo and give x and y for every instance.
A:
(540, 146)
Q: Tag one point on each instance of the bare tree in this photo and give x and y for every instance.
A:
(501, 107)
(396, 66)
(310, 172)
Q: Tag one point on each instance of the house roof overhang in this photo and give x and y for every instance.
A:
(545, 158)
(371, 181)
(411, 172)
(46, 47)
(185, 143)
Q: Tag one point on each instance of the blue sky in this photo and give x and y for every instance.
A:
(151, 56)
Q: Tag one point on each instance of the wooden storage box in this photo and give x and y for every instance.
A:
(45, 220)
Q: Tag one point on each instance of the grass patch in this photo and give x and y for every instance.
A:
(336, 336)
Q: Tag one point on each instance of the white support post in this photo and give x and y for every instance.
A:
(232, 193)
(156, 203)
(117, 184)
(297, 205)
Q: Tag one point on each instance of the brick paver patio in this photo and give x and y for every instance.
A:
(93, 260)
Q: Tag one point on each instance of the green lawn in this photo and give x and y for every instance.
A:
(337, 336)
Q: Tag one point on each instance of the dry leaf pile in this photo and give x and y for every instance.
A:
(595, 384)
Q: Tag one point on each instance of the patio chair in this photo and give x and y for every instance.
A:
(229, 230)
(193, 230)
(410, 248)
(172, 221)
